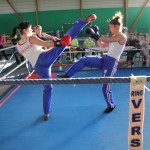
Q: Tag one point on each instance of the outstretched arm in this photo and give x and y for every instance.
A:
(64, 41)
(47, 36)
(39, 42)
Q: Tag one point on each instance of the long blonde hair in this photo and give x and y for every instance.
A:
(117, 19)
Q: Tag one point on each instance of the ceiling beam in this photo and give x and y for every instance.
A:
(138, 16)
(81, 7)
(126, 12)
(37, 9)
(17, 14)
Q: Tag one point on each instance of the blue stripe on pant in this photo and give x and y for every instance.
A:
(107, 64)
(46, 60)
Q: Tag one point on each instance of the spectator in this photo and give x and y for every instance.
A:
(88, 43)
(43, 36)
(33, 29)
(145, 52)
(75, 47)
(1, 47)
(14, 38)
(130, 54)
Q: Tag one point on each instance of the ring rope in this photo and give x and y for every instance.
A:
(5, 76)
(91, 80)
(7, 48)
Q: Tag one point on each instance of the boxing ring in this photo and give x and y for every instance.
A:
(77, 121)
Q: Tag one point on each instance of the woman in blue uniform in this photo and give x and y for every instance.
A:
(30, 46)
(108, 63)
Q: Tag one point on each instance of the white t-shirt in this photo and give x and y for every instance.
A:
(115, 50)
(30, 51)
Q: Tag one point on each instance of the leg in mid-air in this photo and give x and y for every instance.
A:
(46, 60)
(87, 61)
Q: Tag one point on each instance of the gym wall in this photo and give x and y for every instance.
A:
(52, 14)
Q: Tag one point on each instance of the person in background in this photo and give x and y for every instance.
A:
(1, 47)
(33, 29)
(75, 47)
(72, 54)
(14, 39)
(72, 47)
(89, 43)
(43, 36)
(130, 54)
(144, 44)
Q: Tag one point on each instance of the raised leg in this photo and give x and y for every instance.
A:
(87, 61)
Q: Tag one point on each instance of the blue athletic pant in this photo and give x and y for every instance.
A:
(107, 64)
(46, 60)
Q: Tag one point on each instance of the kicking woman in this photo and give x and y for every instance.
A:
(30, 47)
(108, 63)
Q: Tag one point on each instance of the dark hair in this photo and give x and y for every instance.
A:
(21, 26)
(14, 32)
(117, 19)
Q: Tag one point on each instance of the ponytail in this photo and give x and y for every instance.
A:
(117, 20)
(19, 29)
(14, 32)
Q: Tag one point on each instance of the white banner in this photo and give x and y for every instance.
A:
(136, 116)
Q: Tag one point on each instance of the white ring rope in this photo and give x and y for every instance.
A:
(7, 48)
(4, 77)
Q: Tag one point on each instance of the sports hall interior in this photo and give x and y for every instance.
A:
(75, 125)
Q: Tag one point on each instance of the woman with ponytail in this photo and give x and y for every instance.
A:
(30, 46)
(109, 62)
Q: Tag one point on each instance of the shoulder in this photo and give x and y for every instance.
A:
(121, 37)
(33, 37)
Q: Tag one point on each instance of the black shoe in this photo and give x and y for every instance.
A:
(62, 76)
(109, 109)
(46, 117)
